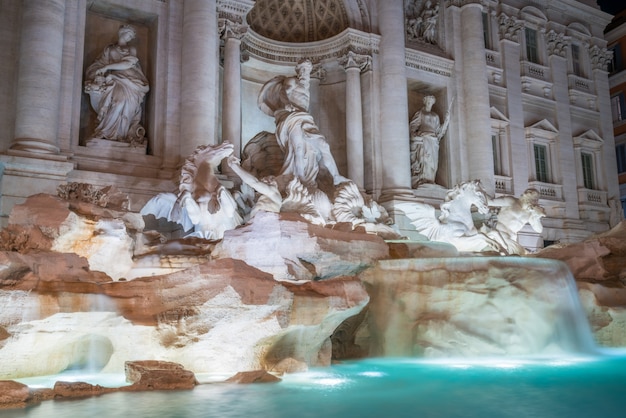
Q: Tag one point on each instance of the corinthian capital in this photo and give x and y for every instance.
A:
(230, 29)
(354, 60)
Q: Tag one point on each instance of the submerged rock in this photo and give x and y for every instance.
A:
(255, 376)
(158, 375)
(13, 394)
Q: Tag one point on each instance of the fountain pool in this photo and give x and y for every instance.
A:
(568, 386)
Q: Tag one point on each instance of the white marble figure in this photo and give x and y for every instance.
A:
(305, 149)
(202, 202)
(426, 132)
(116, 86)
(513, 215)
(455, 224)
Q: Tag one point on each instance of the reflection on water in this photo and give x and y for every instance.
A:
(560, 387)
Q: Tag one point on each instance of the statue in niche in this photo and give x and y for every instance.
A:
(117, 86)
(423, 26)
(202, 202)
(513, 215)
(426, 132)
(305, 149)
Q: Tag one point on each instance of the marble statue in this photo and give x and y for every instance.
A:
(426, 132)
(117, 86)
(514, 214)
(305, 149)
(455, 224)
(202, 203)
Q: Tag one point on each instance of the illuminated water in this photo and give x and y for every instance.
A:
(565, 387)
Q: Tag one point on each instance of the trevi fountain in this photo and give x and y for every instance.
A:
(283, 273)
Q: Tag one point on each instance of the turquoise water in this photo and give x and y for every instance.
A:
(559, 387)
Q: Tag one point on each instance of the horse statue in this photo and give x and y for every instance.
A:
(202, 202)
(455, 224)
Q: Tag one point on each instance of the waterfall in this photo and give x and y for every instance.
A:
(475, 306)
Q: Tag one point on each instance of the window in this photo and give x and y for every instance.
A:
(576, 63)
(532, 52)
(495, 144)
(541, 163)
(618, 107)
(620, 151)
(486, 35)
(587, 162)
(617, 63)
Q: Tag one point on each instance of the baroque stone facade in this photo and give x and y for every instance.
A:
(526, 87)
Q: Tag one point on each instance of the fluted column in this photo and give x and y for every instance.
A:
(199, 93)
(39, 78)
(231, 96)
(394, 111)
(354, 64)
(318, 74)
(476, 92)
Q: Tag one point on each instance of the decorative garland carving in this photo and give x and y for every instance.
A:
(556, 44)
(600, 57)
(510, 27)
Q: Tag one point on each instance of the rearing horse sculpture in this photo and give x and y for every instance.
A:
(202, 202)
(455, 224)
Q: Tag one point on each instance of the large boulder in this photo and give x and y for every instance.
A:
(222, 316)
(45, 222)
(599, 266)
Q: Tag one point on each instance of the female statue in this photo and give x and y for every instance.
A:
(116, 87)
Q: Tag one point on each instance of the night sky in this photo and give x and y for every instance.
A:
(612, 6)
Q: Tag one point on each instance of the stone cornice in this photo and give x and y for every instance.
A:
(431, 63)
(339, 45)
(234, 10)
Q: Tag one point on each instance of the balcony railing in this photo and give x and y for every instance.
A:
(504, 185)
(537, 71)
(592, 197)
(548, 191)
(580, 83)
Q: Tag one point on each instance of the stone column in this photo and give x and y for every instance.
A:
(394, 108)
(318, 74)
(200, 75)
(510, 53)
(39, 78)
(476, 91)
(231, 97)
(600, 58)
(565, 144)
(354, 64)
